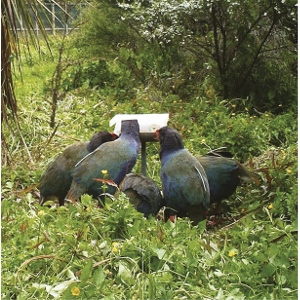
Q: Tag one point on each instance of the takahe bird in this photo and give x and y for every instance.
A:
(224, 175)
(143, 193)
(57, 179)
(111, 161)
(184, 182)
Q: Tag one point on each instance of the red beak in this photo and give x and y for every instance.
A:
(156, 134)
(113, 136)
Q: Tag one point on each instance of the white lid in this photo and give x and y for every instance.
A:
(148, 122)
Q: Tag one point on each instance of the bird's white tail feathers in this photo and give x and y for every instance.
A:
(204, 181)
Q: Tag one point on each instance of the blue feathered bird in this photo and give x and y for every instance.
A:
(224, 176)
(57, 179)
(111, 161)
(184, 181)
(143, 193)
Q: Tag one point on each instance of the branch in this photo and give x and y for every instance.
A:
(217, 50)
(275, 19)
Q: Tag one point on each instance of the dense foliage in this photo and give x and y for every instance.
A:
(82, 252)
(242, 48)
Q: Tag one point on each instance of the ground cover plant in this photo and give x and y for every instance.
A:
(83, 252)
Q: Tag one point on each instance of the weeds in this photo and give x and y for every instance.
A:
(83, 252)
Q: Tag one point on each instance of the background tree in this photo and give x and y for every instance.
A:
(12, 12)
(241, 48)
(30, 15)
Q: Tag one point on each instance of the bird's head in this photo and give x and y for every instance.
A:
(130, 127)
(169, 139)
(100, 138)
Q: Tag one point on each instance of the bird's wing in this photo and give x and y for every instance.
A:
(85, 157)
(184, 177)
(115, 157)
(57, 178)
(222, 166)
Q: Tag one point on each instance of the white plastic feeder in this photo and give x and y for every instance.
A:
(148, 123)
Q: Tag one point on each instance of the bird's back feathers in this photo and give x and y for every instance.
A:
(224, 175)
(143, 193)
(111, 161)
(57, 178)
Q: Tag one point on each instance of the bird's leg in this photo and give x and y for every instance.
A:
(61, 201)
(75, 192)
(214, 222)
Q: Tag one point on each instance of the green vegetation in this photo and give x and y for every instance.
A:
(175, 46)
(224, 83)
(82, 252)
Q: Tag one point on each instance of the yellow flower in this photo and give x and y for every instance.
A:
(203, 140)
(115, 248)
(41, 212)
(289, 171)
(232, 253)
(270, 206)
(104, 172)
(75, 291)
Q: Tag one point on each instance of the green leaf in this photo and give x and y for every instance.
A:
(268, 270)
(86, 200)
(166, 277)
(280, 260)
(220, 294)
(99, 276)
(202, 226)
(160, 252)
(86, 272)
(125, 274)
(281, 279)
(260, 256)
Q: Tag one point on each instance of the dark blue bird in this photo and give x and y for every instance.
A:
(184, 182)
(224, 176)
(143, 193)
(111, 161)
(57, 179)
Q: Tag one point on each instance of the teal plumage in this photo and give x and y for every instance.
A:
(117, 158)
(57, 179)
(224, 176)
(143, 193)
(184, 182)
